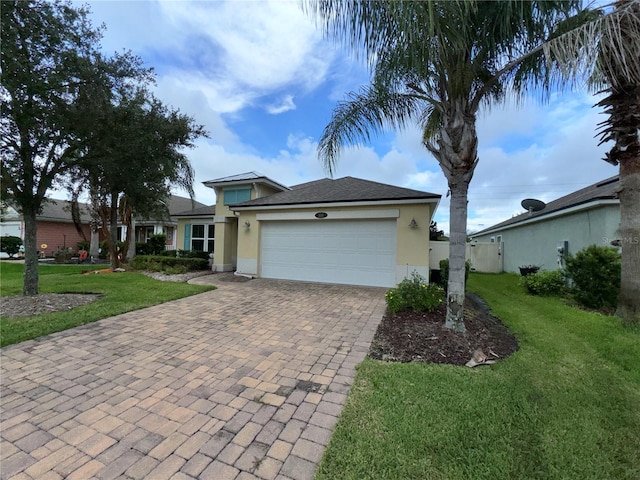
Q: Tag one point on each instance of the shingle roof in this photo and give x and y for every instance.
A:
(180, 204)
(196, 212)
(56, 210)
(346, 189)
(604, 190)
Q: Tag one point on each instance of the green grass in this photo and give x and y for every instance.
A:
(121, 292)
(565, 406)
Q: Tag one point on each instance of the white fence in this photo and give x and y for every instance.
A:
(484, 256)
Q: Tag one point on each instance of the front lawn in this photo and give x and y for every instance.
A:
(121, 292)
(565, 406)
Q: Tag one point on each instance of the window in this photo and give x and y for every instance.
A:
(237, 195)
(202, 235)
(211, 234)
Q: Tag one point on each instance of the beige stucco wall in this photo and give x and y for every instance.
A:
(180, 232)
(412, 244)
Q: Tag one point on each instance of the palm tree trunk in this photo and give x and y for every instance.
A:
(30, 286)
(457, 154)
(457, 247)
(629, 299)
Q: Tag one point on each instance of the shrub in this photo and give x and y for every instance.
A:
(157, 263)
(10, 245)
(193, 254)
(595, 273)
(157, 243)
(169, 253)
(143, 249)
(444, 272)
(414, 294)
(546, 283)
(84, 245)
(104, 248)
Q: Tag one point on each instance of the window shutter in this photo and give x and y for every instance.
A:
(187, 236)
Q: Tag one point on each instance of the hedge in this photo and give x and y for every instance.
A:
(159, 263)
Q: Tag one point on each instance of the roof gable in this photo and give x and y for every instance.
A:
(346, 189)
(604, 190)
(244, 179)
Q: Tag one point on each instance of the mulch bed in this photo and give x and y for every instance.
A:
(422, 337)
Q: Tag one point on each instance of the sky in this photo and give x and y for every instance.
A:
(262, 79)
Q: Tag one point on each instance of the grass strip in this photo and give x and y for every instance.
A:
(121, 292)
(566, 405)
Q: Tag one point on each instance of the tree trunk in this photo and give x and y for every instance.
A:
(30, 286)
(457, 255)
(94, 248)
(457, 154)
(113, 232)
(629, 299)
(131, 239)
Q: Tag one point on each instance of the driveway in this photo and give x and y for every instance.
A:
(243, 382)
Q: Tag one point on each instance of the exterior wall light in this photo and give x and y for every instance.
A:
(413, 223)
(247, 224)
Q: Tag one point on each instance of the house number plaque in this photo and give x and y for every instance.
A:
(321, 215)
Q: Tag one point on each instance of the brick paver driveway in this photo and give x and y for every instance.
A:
(246, 381)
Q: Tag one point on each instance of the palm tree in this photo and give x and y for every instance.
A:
(606, 51)
(436, 63)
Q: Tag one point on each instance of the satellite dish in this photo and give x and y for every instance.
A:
(532, 205)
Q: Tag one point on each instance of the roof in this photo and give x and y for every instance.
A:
(56, 210)
(604, 190)
(346, 189)
(198, 212)
(180, 204)
(244, 178)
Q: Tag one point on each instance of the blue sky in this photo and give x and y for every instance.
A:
(263, 81)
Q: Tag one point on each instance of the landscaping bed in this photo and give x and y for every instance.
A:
(409, 336)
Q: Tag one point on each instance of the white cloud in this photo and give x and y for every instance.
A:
(284, 105)
(216, 59)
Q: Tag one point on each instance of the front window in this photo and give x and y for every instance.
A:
(202, 235)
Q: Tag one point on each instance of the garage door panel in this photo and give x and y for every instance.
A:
(350, 252)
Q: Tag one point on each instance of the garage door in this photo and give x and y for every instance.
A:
(360, 252)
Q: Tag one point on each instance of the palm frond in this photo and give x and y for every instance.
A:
(612, 39)
(362, 115)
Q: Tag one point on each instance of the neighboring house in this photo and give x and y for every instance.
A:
(55, 227)
(567, 225)
(10, 221)
(345, 231)
(145, 227)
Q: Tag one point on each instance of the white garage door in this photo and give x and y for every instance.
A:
(354, 252)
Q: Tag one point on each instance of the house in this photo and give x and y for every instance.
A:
(56, 229)
(345, 231)
(145, 227)
(564, 226)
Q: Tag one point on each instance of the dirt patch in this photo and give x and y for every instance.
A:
(21, 306)
(421, 337)
(28, 306)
